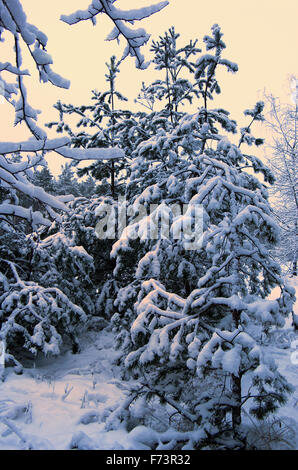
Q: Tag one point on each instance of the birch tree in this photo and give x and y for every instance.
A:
(283, 122)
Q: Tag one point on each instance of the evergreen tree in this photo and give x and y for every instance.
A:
(67, 183)
(88, 187)
(174, 89)
(45, 179)
(179, 336)
(154, 140)
(104, 117)
(53, 282)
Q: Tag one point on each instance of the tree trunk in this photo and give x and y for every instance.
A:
(236, 387)
(236, 411)
(113, 180)
(295, 321)
(294, 266)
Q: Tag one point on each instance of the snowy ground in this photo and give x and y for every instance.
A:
(34, 403)
(55, 422)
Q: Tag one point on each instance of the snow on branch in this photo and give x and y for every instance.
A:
(32, 145)
(21, 183)
(15, 174)
(135, 38)
(14, 21)
(24, 35)
(91, 153)
(49, 313)
(34, 217)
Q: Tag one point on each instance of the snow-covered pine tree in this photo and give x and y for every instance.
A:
(88, 187)
(154, 141)
(153, 144)
(104, 118)
(45, 179)
(165, 160)
(66, 182)
(36, 311)
(37, 280)
(57, 279)
(198, 350)
(33, 317)
(175, 88)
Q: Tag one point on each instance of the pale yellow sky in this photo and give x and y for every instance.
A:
(261, 37)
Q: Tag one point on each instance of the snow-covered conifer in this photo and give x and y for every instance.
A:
(106, 119)
(186, 332)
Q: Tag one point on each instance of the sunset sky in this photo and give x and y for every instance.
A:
(261, 37)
